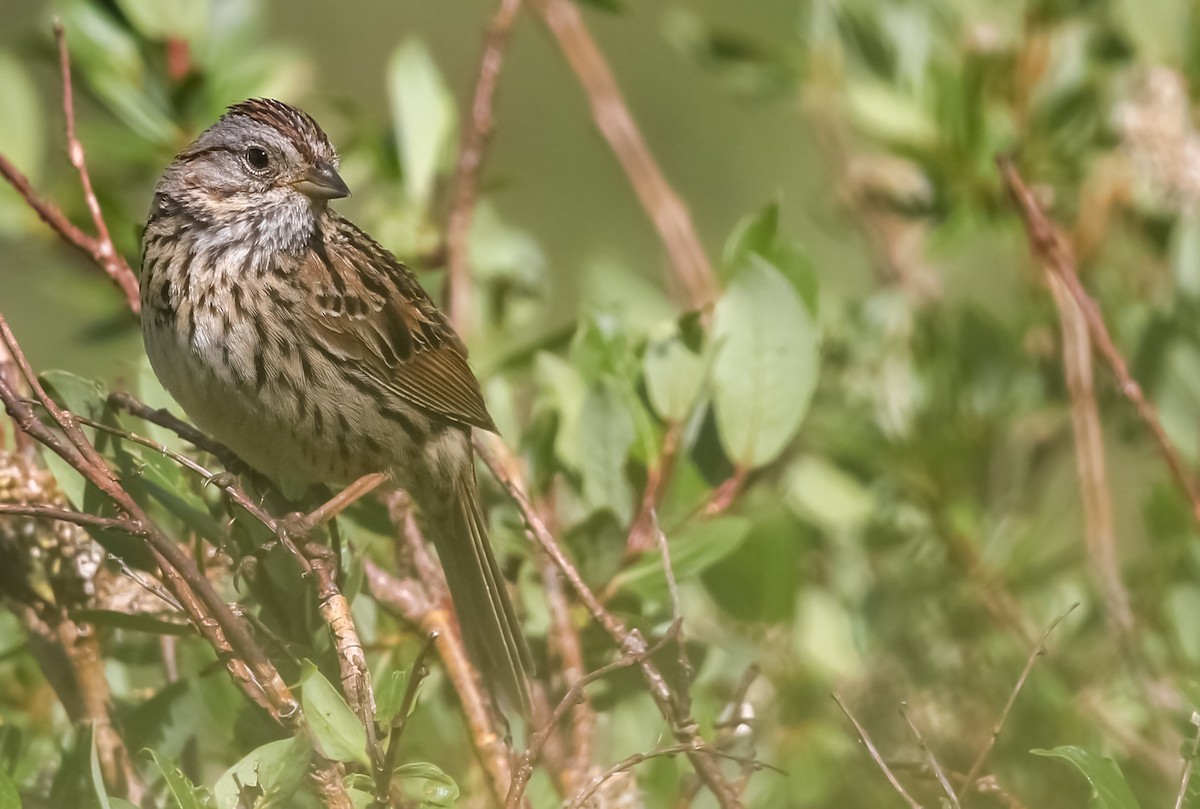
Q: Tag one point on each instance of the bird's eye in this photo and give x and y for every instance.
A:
(257, 158)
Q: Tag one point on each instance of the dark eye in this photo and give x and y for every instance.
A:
(257, 158)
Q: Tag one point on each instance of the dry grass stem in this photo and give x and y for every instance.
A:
(938, 772)
(874, 752)
(1038, 651)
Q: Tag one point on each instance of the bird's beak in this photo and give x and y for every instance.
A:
(323, 182)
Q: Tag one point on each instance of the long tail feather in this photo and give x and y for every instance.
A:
(485, 612)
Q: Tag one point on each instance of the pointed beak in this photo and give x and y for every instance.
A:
(323, 182)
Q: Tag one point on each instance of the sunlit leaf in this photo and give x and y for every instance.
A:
(423, 113)
(1109, 788)
(606, 434)
(389, 695)
(184, 794)
(693, 550)
(437, 789)
(766, 363)
(674, 374)
(276, 769)
(337, 732)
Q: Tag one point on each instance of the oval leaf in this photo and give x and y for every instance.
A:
(674, 373)
(274, 770)
(606, 434)
(693, 550)
(766, 363)
(423, 113)
(1109, 790)
(338, 733)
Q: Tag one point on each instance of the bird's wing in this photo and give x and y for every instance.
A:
(369, 309)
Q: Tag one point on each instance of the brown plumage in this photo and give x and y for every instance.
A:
(293, 337)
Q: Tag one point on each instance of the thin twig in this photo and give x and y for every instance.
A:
(1038, 651)
(693, 274)
(575, 694)
(507, 471)
(629, 763)
(75, 517)
(870, 745)
(417, 673)
(565, 640)
(1189, 763)
(409, 600)
(470, 160)
(938, 772)
(340, 502)
(1094, 489)
(1052, 249)
(383, 772)
(210, 614)
(99, 248)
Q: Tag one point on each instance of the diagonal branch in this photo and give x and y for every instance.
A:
(470, 160)
(1052, 250)
(693, 274)
(630, 641)
(99, 248)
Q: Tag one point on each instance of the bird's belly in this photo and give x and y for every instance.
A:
(294, 429)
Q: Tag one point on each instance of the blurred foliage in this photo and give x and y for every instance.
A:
(910, 522)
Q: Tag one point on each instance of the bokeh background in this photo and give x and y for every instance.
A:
(909, 540)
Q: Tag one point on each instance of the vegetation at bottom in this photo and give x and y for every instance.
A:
(881, 439)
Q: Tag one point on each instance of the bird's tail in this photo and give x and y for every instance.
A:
(485, 612)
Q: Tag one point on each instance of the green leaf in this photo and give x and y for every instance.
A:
(674, 373)
(338, 733)
(606, 433)
(160, 19)
(438, 789)
(423, 114)
(754, 234)
(562, 389)
(84, 397)
(693, 550)
(184, 793)
(502, 252)
(766, 363)
(1109, 789)
(9, 797)
(389, 695)
(821, 492)
(277, 769)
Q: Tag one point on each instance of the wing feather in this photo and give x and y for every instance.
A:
(369, 309)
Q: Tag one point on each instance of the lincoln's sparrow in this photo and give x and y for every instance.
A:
(292, 336)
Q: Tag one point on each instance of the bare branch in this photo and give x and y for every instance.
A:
(938, 772)
(417, 673)
(470, 160)
(1038, 651)
(1189, 762)
(99, 248)
(575, 694)
(505, 468)
(629, 763)
(693, 275)
(1053, 251)
(870, 745)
